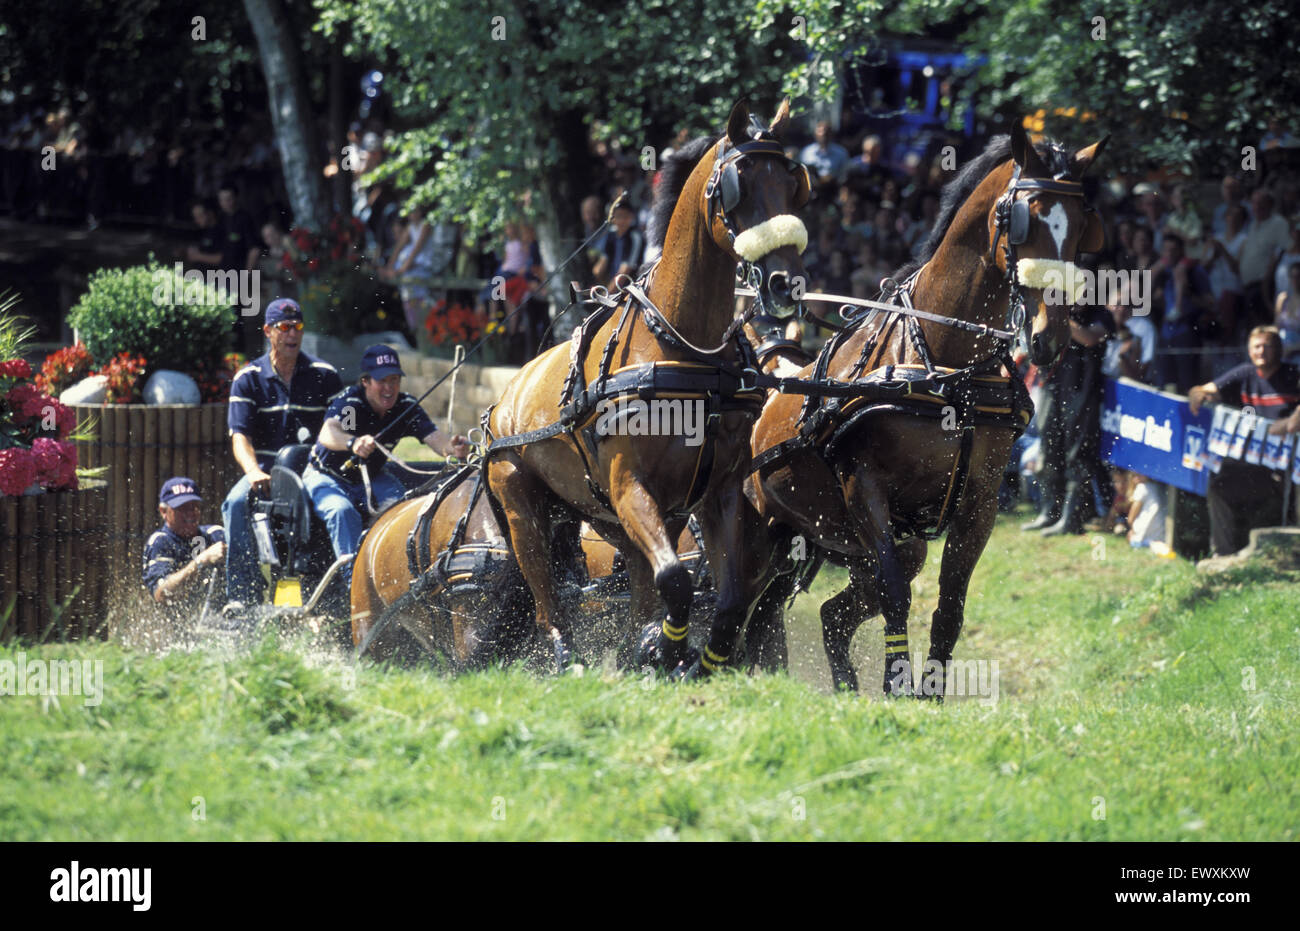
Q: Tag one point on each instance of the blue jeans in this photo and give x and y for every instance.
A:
(341, 505)
(244, 581)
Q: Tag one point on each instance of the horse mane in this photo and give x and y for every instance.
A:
(677, 167)
(955, 193)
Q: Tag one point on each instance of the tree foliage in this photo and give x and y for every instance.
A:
(500, 100)
(1176, 84)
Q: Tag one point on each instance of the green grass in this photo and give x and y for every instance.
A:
(1121, 685)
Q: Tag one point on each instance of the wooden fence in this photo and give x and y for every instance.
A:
(52, 566)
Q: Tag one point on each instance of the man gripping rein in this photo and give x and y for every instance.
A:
(352, 419)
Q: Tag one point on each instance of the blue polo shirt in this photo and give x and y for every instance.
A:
(165, 552)
(270, 413)
(352, 409)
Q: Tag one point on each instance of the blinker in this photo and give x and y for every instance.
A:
(1018, 227)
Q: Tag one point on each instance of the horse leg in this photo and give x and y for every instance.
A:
(842, 615)
(661, 644)
(728, 523)
(967, 538)
(527, 503)
(867, 503)
(765, 645)
(774, 579)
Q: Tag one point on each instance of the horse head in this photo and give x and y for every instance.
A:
(1039, 225)
(750, 199)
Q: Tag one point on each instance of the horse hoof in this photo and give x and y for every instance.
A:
(563, 656)
(690, 669)
(655, 650)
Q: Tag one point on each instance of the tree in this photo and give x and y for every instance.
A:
(502, 101)
(1176, 84)
(291, 112)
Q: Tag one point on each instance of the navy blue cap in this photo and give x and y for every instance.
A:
(178, 491)
(379, 361)
(282, 309)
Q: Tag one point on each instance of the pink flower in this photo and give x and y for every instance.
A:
(47, 455)
(17, 471)
(15, 368)
(66, 419)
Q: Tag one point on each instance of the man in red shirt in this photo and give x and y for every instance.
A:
(1244, 496)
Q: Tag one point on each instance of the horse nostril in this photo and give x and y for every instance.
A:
(778, 285)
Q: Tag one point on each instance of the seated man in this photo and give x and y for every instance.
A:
(1244, 496)
(176, 555)
(276, 400)
(353, 418)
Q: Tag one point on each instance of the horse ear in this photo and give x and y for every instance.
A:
(738, 122)
(778, 121)
(1023, 152)
(1084, 158)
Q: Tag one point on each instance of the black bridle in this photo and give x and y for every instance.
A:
(1011, 216)
(722, 192)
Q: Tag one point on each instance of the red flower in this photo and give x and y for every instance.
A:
(45, 453)
(15, 368)
(27, 402)
(65, 418)
(17, 471)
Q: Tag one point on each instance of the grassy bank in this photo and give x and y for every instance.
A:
(1135, 701)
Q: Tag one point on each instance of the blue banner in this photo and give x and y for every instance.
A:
(1154, 433)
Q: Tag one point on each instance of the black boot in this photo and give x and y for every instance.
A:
(1049, 515)
(1071, 513)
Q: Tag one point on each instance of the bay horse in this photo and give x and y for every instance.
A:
(671, 336)
(870, 482)
(474, 609)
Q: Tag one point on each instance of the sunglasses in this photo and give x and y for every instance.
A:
(284, 326)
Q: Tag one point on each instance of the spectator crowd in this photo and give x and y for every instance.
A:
(1218, 258)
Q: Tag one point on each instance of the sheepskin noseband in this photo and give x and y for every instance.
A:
(783, 230)
(1065, 278)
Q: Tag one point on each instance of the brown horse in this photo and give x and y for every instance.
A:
(873, 481)
(724, 202)
(478, 611)
(481, 629)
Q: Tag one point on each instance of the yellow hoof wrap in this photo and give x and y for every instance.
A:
(712, 661)
(674, 633)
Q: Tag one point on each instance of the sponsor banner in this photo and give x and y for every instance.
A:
(1154, 433)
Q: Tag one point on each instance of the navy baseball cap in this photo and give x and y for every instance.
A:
(379, 361)
(282, 309)
(178, 491)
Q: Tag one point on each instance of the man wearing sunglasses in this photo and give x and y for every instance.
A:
(276, 400)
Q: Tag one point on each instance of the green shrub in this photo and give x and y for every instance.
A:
(120, 313)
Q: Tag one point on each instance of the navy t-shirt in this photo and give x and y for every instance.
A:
(352, 409)
(1273, 398)
(271, 413)
(165, 552)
